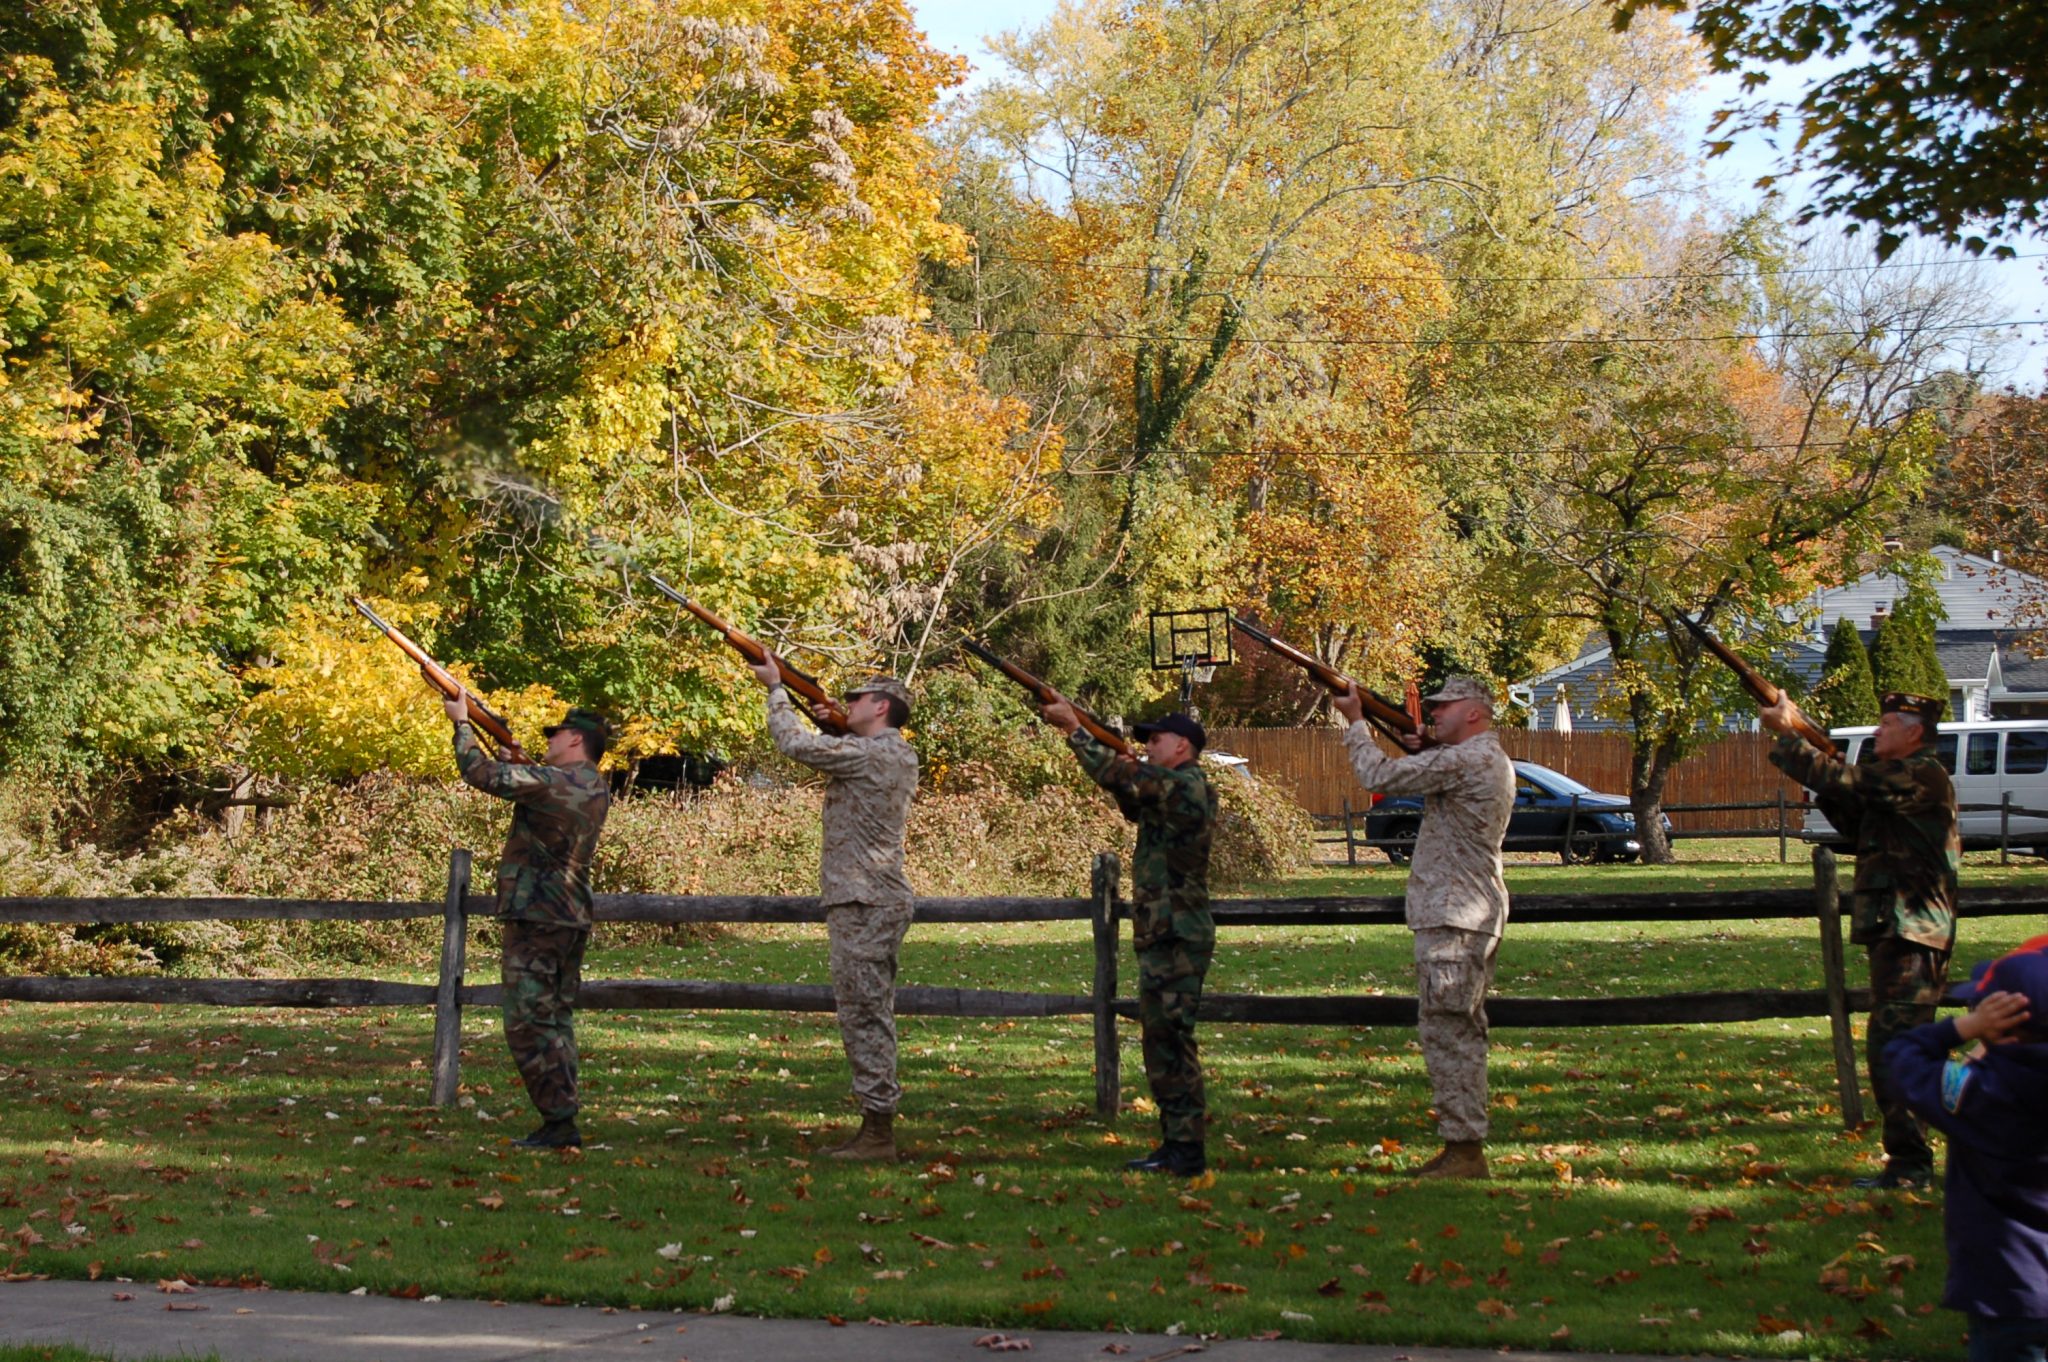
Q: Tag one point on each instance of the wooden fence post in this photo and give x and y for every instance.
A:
(1781, 822)
(2005, 828)
(1108, 1064)
(1350, 844)
(448, 993)
(1827, 903)
(1571, 829)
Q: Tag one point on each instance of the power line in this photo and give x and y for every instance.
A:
(1415, 453)
(1425, 341)
(1522, 278)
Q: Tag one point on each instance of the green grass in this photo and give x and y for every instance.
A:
(1662, 1189)
(61, 1352)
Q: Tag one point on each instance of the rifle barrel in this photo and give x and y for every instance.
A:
(824, 711)
(1760, 689)
(1384, 714)
(1044, 693)
(481, 715)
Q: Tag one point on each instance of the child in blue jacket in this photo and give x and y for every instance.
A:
(1991, 1100)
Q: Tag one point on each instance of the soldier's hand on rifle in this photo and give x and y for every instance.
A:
(768, 671)
(1783, 717)
(1060, 715)
(457, 704)
(1350, 704)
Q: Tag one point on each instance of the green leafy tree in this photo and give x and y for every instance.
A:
(1846, 694)
(1937, 124)
(1903, 656)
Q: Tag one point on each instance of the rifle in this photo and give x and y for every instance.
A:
(1046, 695)
(1760, 690)
(481, 715)
(805, 692)
(1389, 718)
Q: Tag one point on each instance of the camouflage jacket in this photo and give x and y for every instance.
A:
(1175, 810)
(1903, 816)
(544, 870)
(867, 802)
(1468, 791)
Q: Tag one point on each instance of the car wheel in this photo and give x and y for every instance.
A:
(1402, 830)
(1586, 847)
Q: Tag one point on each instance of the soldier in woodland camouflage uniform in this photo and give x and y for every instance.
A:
(544, 900)
(1169, 797)
(1457, 901)
(1900, 811)
(868, 900)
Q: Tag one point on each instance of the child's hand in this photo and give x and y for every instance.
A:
(1995, 1018)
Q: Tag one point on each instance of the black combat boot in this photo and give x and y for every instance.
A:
(554, 1135)
(1176, 1159)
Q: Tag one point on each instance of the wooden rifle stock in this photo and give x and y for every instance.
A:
(480, 715)
(810, 697)
(1382, 713)
(1760, 690)
(1043, 692)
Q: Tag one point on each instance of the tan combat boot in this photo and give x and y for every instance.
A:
(876, 1142)
(1457, 1159)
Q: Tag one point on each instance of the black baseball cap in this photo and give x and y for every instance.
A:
(1180, 724)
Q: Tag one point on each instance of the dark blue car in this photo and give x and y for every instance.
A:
(1603, 828)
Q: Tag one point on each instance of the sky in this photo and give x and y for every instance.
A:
(2021, 286)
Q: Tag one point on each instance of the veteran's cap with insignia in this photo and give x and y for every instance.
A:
(1181, 724)
(1927, 707)
(883, 685)
(591, 724)
(1461, 688)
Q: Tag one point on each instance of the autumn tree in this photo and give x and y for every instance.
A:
(1997, 489)
(1903, 656)
(1741, 435)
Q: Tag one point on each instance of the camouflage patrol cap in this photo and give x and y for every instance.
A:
(883, 685)
(1926, 707)
(595, 728)
(1462, 688)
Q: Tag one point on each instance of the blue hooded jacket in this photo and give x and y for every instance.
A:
(1994, 1110)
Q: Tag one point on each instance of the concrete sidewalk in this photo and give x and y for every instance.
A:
(292, 1326)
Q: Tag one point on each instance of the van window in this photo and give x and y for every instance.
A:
(1860, 752)
(1981, 757)
(1945, 751)
(2026, 753)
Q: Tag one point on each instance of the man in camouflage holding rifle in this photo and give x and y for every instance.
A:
(544, 900)
(1900, 812)
(1169, 797)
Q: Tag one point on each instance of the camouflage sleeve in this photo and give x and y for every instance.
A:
(821, 752)
(504, 779)
(1881, 785)
(1430, 771)
(1124, 777)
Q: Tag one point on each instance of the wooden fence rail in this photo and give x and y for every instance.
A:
(1102, 908)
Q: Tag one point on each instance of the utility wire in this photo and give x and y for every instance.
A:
(1413, 453)
(1426, 341)
(1521, 278)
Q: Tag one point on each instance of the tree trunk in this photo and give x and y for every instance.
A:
(1649, 767)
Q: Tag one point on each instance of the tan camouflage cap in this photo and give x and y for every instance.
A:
(882, 685)
(1462, 688)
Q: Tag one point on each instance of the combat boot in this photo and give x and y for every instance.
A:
(1457, 1159)
(1176, 1159)
(874, 1143)
(554, 1135)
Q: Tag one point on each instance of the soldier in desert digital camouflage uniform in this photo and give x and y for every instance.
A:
(1457, 900)
(868, 900)
(1169, 797)
(1900, 811)
(544, 901)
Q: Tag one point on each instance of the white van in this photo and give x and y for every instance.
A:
(1999, 757)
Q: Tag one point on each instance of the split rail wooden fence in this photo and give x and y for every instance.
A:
(1103, 907)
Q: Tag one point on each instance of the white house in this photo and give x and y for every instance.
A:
(1992, 672)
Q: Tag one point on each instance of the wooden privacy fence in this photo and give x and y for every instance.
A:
(1310, 764)
(449, 994)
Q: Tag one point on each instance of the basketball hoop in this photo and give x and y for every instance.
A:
(1192, 642)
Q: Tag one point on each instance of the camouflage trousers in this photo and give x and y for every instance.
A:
(865, 938)
(1906, 981)
(542, 968)
(1170, 974)
(1453, 971)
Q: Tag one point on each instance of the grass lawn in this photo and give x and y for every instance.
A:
(1662, 1189)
